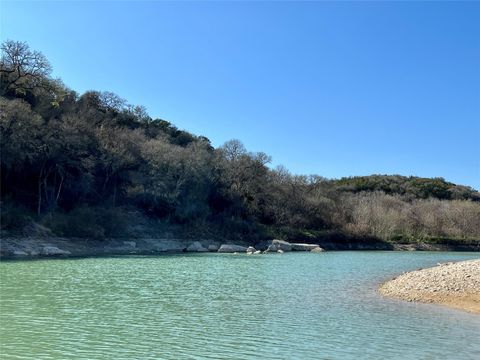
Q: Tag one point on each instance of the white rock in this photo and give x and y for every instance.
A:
(251, 250)
(303, 247)
(318, 249)
(280, 251)
(257, 252)
(231, 248)
(282, 245)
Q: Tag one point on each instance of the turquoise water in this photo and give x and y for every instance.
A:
(213, 306)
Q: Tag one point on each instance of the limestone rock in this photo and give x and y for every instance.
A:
(19, 253)
(231, 248)
(251, 250)
(282, 245)
(54, 251)
(272, 248)
(212, 247)
(196, 247)
(168, 245)
(318, 249)
(303, 247)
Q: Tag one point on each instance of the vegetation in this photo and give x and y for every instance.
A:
(92, 165)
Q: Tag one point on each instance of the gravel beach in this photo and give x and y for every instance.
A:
(455, 285)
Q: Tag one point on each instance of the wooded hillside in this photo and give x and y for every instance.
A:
(92, 165)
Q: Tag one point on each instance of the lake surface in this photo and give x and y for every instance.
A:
(215, 306)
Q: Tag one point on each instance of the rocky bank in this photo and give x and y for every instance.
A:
(455, 285)
(38, 247)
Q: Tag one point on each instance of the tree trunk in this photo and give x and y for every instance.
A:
(39, 205)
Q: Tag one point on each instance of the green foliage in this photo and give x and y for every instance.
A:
(412, 186)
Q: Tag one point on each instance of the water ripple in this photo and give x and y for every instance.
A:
(211, 306)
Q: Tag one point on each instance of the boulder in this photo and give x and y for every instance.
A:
(303, 247)
(54, 251)
(212, 247)
(257, 252)
(251, 250)
(196, 247)
(282, 245)
(280, 251)
(272, 248)
(317, 250)
(231, 248)
(19, 253)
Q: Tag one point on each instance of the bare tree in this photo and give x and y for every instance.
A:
(22, 69)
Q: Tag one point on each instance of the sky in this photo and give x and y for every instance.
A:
(329, 88)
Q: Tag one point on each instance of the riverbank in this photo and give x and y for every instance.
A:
(34, 247)
(455, 285)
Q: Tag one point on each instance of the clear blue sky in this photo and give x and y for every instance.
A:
(332, 88)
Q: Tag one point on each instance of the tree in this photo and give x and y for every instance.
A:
(22, 69)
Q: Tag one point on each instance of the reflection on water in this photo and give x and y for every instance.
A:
(212, 306)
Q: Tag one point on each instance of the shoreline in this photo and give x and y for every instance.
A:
(26, 248)
(455, 285)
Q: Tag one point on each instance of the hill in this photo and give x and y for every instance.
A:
(93, 166)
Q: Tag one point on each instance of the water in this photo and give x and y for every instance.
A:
(213, 306)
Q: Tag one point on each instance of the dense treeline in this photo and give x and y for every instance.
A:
(93, 165)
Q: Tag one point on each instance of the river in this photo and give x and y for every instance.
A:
(225, 306)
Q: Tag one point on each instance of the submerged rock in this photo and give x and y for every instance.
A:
(231, 248)
(196, 247)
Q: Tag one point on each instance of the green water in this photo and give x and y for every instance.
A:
(212, 306)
